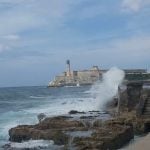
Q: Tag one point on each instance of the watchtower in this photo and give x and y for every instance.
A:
(68, 73)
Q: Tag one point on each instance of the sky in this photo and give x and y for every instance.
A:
(38, 36)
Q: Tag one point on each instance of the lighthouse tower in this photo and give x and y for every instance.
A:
(68, 68)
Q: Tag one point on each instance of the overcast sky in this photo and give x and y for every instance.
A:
(37, 36)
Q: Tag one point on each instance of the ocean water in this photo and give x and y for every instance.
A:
(21, 105)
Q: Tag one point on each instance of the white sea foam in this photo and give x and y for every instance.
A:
(64, 106)
(90, 100)
(107, 88)
(35, 144)
(37, 97)
(29, 116)
(32, 144)
(11, 119)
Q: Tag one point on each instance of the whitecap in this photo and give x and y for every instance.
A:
(32, 144)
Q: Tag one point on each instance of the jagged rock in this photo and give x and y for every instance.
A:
(88, 117)
(48, 129)
(41, 117)
(105, 134)
(93, 111)
(76, 112)
(98, 123)
(140, 125)
(112, 137)
(60, 122)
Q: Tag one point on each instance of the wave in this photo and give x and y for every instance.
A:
(36, 97)
(33, 144)
(11, 119)
(51, 105)
(62, 106)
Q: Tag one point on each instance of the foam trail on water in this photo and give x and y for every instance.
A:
(32, 144)
(104, 90)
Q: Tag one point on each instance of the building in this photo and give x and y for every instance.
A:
(88, 77)
(73, 78)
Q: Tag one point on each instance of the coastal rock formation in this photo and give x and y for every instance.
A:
(140, 125)
(50, 128)
(84, 132)
(105, 137)
(75, 112)
(41, 117)
(93, 130)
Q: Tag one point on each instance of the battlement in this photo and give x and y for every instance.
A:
(90, 76)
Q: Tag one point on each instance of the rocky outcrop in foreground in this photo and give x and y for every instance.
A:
(81, 131)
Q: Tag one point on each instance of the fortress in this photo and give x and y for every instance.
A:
(88, 77)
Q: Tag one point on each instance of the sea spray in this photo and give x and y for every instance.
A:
(33, 145)
(104, 91)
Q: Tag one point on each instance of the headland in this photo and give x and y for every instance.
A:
(90, 76)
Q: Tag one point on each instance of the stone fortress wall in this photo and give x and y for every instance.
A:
(81, 77)
(88, 77)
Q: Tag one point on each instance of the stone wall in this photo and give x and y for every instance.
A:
(129, 98)
(82, 77)
(88, 76)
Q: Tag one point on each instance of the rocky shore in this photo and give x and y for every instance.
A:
(83, 130)
(93, 130)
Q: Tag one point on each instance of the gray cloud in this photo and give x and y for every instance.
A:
(39, 35)
(134, 5)
(25, 15)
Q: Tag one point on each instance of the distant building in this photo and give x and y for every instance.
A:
(73, 78)
(88, 77)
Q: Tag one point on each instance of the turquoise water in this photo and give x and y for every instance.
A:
(21, 105)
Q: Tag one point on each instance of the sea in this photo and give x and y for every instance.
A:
(21, 105)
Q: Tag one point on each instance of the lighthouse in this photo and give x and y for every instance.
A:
(68, 68)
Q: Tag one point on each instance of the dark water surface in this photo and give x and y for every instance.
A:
(21, 105)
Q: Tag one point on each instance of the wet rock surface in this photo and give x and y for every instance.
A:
(89, 131)
(76, 112)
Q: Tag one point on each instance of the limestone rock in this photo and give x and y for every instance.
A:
(104, 134)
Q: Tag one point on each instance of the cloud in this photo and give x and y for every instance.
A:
(20, 17)
(132, 51)
(11, 37)
(134, 5)
(24, 15)
(45, 33)
(8, 42)
(91, 11)
(129, 52)
(3, 47)
(133, 46)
